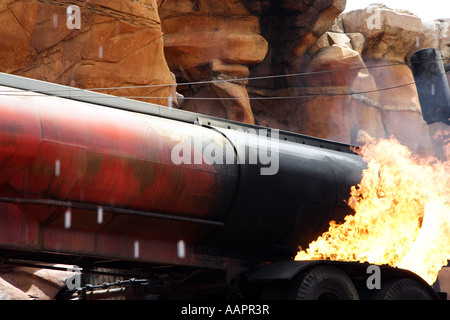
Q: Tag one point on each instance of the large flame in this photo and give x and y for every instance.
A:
(402, 214)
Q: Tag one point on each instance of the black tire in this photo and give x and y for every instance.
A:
(323, 283)
(403, 289)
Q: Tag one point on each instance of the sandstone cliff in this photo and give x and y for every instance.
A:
(118, 43)
(304, 37)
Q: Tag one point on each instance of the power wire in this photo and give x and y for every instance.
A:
(257, 77)
(15, 93)
(248, 78)
(18, 94)
(279, 97)
(238, 79)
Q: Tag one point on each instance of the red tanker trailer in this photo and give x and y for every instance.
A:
(64, 159)
(191, 200)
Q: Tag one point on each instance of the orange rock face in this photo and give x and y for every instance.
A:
(340, 67)
(213, 40)
(353, 82)
(390, 35)
(25, 283)
(118, 43)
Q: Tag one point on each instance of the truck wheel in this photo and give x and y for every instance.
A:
(403, 289)
(323, 283)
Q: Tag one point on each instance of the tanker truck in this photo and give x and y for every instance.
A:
(196, 205)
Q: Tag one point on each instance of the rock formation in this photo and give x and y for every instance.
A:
(213, 40)
(311, 42)
(26, 283)
(116, 43)
(390, 35)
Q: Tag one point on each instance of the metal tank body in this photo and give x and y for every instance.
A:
(58, 149)
(84, 179)
(282, 205)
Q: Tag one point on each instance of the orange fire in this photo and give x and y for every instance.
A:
(402, 214)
